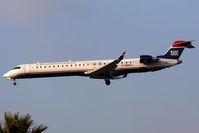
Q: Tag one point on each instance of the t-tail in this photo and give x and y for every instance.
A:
(176, 49)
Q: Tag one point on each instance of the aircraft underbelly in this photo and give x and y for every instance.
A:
(136, 70)
(46, 75)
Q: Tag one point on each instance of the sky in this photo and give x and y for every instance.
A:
(61, 30)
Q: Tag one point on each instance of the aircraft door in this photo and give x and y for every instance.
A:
(27, 68)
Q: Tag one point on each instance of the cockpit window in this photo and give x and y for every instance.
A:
(17, 68)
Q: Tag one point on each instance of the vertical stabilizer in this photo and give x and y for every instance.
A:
(176, 49)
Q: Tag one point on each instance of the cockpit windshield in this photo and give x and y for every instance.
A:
(17, 67)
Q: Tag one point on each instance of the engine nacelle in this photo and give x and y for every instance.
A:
(148, 59)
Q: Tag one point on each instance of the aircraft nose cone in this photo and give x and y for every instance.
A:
(6, 76)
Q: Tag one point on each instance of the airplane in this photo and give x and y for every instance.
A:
(101, 69)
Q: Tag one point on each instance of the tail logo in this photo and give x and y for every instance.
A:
(174, 53)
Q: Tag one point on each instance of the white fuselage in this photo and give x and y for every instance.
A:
(102, 69)
(82, 68)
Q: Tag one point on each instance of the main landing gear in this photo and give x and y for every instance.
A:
(107, 81)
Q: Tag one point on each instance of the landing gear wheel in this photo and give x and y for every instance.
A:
(14, 83)
(107, 81)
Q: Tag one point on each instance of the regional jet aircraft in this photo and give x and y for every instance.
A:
(101, 69)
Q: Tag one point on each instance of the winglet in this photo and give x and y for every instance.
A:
(122, 56)
(182, 44)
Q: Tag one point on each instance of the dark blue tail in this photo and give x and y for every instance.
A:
(176, 49)
(172, 53)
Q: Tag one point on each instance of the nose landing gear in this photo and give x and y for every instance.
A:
(14, 82)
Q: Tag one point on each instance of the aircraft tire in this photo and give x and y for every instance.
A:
(107, 81)
(14, 83)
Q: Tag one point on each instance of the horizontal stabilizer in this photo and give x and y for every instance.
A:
(182, 44)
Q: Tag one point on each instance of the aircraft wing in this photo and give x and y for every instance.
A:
(105, 70)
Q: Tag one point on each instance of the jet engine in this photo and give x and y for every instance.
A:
(148, 59)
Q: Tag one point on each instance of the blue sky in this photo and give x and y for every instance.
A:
(47, 30)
